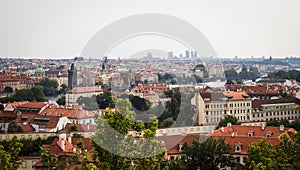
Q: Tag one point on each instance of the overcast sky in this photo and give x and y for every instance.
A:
(61, 28)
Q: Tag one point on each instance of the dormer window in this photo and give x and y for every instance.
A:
(250, 133)
(269, 134)
(238, 148)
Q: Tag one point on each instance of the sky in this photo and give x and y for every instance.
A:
(62, 28)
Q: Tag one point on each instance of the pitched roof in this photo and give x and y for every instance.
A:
(239, 135)
(240, 95)
(33, 105)
(72, 112)
(85, 89)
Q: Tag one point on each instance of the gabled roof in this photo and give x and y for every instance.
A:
(33, 105)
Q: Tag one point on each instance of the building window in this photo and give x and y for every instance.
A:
(238, 148)
(238, 159)
(250, 133)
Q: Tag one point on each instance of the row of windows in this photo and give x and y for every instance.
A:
(239, 111)
(278, 107)
(277, 118)
(275, 113)
(213, 120)
(225, 105)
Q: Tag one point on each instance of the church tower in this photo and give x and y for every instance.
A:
(72, 77)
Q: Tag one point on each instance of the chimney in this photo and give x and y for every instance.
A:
(281, 127)
(263, 127)
(222, 129)
(228, 124)
(74, 149)
(69, 139)
(88, 126)
(232, 134)
(63, 144)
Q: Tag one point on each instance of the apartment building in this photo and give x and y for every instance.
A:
(278, 109)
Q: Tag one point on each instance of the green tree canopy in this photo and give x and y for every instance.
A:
(13, 127)
(228, 119)
(211, 154)
(116, 149)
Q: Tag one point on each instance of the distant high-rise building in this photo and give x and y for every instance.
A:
(187, 54)
(180, 55)
(192, 54)
(72, 77)
(171, 55)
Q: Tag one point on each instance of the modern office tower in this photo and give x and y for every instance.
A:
(170, 55)
(187, 54)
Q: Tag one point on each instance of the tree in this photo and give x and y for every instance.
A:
(61, 100)
(116, 149)
(211, 154)
(5, 159)
(8, 89)
(13, 127)
(104, 100)
(285, 155)
(229, 82)
(73, 127)
(14, 148)
(228, 119)
(49, 86)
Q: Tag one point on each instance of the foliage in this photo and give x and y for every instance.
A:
(116, 149)
(291, 74)
(14, 127)
(8, 89)
(35, 93)
(61, 100)
(49, 86)
(104, 100)
(14, 148)
(73, 127)
(210, 154)
(180, 103)
(229, 82)
(285, 155)
(30, 147)
(198, 78)
(140, 104)
(89, 102)
(77, 135)
(228, 119)
(294, 124)
(5, 159)
(11, 149)
(252, 73)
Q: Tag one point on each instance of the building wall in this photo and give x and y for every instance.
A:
(33, 136)
(276, 111)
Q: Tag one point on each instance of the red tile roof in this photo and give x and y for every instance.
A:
(85, 89)
(241, 95)
(73, 112)
(34, 105)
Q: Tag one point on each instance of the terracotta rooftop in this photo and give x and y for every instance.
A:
(74, 112)
(239, 135)
(34, 105)
(85, 89)
(240, 95)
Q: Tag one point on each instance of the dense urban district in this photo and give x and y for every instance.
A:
(173, 113)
